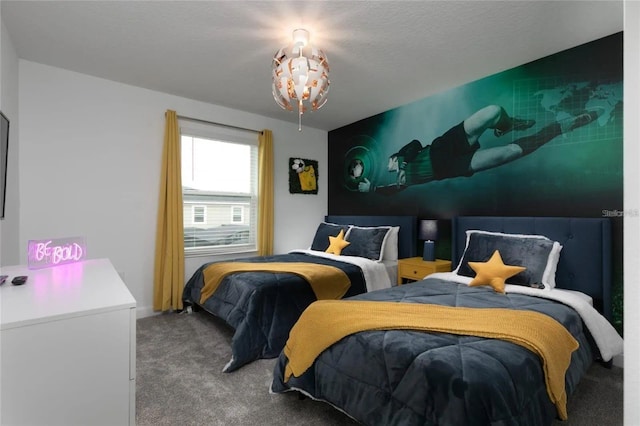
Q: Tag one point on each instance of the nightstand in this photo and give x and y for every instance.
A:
(414, 268)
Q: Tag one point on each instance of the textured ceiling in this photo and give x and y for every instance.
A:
(382, 54)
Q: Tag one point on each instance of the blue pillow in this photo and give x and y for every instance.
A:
(532, 252)
(321, 239)
(366, 242)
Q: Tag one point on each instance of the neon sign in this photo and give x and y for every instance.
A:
(54, 252)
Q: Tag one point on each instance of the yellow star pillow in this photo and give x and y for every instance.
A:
(336, 244)
(493, 272)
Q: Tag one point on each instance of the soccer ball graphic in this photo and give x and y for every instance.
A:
(298, 165)
(356, 168)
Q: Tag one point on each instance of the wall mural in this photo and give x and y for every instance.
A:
(541, 139)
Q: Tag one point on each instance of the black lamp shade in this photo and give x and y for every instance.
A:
(428, 230)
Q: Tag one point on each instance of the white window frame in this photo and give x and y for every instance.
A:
(233, 214)
(204, 213)
(233, 136)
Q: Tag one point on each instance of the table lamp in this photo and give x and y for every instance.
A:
(428, 231)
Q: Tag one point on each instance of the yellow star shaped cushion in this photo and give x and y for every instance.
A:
(336, 244)
(493, 272)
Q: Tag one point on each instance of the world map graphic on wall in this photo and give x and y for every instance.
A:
(577, 171)
(541, 139)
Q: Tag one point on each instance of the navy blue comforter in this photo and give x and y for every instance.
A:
(407, 378)
(263, 306)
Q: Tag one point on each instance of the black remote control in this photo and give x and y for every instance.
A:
(19, 280)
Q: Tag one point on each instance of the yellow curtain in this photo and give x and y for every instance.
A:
(168, 277)
(265, 193)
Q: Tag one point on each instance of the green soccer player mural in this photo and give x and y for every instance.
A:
(458, 152)
(542, 139)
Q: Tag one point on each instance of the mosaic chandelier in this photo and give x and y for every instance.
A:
(300, 76)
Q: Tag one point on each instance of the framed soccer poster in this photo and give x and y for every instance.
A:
(303, 176)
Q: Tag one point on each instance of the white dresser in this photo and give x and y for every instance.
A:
(67, 347)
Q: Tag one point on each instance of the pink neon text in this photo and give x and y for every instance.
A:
(56, 254)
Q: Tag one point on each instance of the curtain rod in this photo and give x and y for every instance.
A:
(198, 120)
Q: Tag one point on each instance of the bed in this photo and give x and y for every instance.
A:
(428, 370)
(261, 304)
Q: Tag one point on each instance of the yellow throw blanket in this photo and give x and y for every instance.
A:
(324, 323)
(327, 282)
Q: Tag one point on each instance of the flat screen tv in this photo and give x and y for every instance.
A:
(4, 147)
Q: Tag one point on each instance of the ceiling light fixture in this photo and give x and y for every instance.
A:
(300, 75)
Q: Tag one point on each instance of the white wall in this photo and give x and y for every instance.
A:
(631, 204)
(9, 106)
(2, 30)
(1, 62)
(90, 155)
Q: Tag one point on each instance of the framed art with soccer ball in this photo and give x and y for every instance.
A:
(303, 176)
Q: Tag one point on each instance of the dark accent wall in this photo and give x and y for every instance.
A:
(563, 155)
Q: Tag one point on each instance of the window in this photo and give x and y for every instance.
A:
(237, 214)
(199, 213)
(219, 190)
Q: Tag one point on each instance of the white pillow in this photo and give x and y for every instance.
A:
(390, 244)
(549, 277)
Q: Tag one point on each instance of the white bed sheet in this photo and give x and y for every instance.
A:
(606, 337)
(392, 270)
(376, 274)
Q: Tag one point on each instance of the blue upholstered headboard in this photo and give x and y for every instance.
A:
(585, 259)
(407, 236)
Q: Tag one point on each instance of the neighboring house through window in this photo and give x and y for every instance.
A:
(219, 189)
(237, 214)
(199, 214)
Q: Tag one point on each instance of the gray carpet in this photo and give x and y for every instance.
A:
(180, 382)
